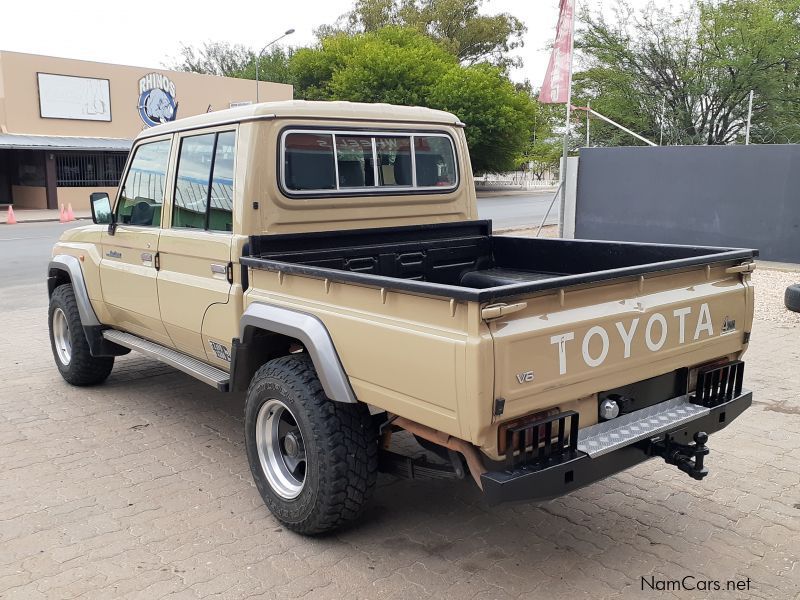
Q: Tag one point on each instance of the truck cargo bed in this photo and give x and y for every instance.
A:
(465, 261)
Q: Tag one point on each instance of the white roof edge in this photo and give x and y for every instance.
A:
(308, 109)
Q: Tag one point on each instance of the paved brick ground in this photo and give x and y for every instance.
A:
(140, 489)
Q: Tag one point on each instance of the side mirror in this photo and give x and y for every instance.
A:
(101, 208)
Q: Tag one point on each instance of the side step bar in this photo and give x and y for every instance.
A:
(196, 368)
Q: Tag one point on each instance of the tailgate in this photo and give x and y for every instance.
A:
(576, 342)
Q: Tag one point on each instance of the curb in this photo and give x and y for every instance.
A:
(56, 220)
(523, 228)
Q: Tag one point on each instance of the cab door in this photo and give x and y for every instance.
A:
(128, 264)
(195, 248)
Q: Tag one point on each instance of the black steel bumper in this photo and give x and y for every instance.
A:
(560, 475)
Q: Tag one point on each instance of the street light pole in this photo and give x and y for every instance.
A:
(260, 54)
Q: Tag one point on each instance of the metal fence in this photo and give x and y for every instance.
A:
(516, 180)
(89, 169)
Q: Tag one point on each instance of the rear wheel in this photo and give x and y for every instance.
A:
(314, 461)
(68, 342)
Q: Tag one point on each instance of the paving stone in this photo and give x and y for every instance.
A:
(140, 488)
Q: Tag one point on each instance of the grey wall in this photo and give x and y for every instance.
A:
(740, 196)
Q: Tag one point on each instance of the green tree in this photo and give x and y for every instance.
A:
(393, 65)
(457, 25)
(235, 60)
(543, 148)
(273, 66)
(693, 69)
(499, 117)
(214, 58)
(402, 66)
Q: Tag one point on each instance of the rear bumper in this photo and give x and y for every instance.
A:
(561, 476)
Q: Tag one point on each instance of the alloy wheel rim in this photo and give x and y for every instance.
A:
(61, 338)
(281, 450)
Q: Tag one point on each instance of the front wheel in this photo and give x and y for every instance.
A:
(68, 342)
(314, 461)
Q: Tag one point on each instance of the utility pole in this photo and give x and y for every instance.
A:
(563, 203)
(589, 106)
(749, 119)
(260, 54)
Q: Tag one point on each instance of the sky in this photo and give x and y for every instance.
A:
(149, 35)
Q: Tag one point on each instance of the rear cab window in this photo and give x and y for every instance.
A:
(338, 162)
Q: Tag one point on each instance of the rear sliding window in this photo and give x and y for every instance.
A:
(321, 162)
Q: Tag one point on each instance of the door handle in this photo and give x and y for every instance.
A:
(219, 269)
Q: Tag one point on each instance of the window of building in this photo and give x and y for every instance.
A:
(318, 161)
(89, 169)
(204, 182)
(142, 194)
(30, 168)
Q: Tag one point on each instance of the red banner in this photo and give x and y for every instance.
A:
(555, 89)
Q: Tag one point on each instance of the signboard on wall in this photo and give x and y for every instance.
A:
(157, 102)
(71, 97)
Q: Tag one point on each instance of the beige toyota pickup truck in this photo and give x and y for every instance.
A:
(327, 260)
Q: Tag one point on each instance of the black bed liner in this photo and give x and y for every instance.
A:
(433, 259)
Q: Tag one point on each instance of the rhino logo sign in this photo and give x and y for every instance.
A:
(157, 99)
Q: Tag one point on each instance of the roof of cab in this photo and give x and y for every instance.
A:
(305, 109)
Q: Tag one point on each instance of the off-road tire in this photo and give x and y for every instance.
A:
(791, 298)
(83, 368)
(340, 446)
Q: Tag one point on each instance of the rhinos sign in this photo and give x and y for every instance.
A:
(157, 99)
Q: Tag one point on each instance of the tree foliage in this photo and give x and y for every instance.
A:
(543, 148)
(457, 25)
(214, 58)
(235, 60)
(393, 65)
(498, 116)
(441, 54)
(691, 70)
(402, 66)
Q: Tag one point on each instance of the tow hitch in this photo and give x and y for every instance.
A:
(688, 458)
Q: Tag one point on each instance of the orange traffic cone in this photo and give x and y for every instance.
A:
(62, 215)
(70, 214)
(11, 219)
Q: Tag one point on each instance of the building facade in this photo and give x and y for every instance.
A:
(66, 125)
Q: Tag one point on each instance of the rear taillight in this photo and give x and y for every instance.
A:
(718, 384)
(694, 371)
(502, 431)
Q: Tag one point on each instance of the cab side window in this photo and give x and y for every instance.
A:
(204, 182)
(142, 192)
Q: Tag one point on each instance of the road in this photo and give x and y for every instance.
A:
(25, 251)
(516, 209)
(25, 247)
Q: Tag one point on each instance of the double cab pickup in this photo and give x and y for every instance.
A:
(326, 259)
